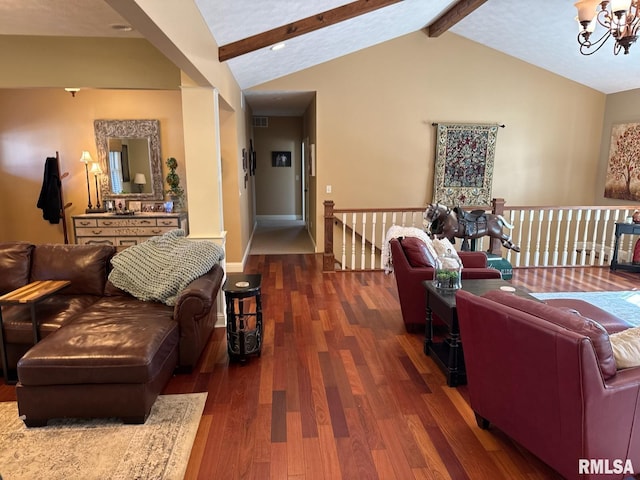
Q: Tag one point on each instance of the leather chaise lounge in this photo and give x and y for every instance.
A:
(103, 353)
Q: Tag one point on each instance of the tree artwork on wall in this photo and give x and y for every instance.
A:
(623, 170)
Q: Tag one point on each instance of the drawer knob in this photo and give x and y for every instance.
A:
(96, 232)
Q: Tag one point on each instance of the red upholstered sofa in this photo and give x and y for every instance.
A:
(546, 376)
(412, 265)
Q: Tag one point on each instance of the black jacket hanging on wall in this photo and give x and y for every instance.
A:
(49, 200)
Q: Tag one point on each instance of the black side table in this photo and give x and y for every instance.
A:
(629, 229)
(244, 324)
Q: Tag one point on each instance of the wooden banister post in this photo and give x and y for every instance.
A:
(497, 208)
(328, 259)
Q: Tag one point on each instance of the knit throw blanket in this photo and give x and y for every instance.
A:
(160, 268)
(397, 231)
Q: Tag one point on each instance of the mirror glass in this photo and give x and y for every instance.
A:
(129, 155)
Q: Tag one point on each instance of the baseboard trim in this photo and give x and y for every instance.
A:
(235, 267)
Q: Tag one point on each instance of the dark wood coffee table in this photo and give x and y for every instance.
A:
(448, 353)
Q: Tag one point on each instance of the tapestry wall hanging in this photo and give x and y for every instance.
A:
(623, 170)
(463, 171)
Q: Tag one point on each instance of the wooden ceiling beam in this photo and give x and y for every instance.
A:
(452, 16)
(300, 27)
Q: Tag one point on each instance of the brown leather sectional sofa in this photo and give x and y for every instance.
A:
(102, 352)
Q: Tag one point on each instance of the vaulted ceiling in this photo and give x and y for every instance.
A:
(542, 32)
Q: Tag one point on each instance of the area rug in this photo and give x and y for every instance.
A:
(102, 449)
(623, 304)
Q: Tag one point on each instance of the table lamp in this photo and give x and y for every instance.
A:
(96, 170)
(86, 158)
(140, 180)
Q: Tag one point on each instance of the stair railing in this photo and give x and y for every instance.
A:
(548, 236)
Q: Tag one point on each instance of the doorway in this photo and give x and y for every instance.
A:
(283, 124)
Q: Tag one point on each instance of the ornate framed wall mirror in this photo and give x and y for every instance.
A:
(130, 158)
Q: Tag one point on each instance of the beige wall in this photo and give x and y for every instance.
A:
(84, 62)
(278, 189)
(36, 122)
(375, 109)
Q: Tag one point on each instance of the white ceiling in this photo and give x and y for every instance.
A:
(540, 32)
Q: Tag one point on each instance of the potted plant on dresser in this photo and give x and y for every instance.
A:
(175, 192)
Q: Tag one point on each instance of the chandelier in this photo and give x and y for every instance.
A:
(620, 19)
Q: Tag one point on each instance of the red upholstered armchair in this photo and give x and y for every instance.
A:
(547, 377)
(412, 264)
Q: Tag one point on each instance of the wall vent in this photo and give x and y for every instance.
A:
(261, 122)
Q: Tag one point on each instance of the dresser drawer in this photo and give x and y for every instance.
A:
(128, 241)
(124, 230)
(126, 222)
(121, 231)
(168, 222)
(85, 222)
(96, 241)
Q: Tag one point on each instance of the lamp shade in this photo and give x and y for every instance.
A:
(587, 9)
(620, 5)
(85, 157)
(95, 168)
(139, 179)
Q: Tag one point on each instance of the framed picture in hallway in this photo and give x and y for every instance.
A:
(280, 159)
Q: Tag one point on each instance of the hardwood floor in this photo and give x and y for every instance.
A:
(342, 391)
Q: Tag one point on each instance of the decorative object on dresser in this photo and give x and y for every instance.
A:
(175, 191)
(86, 158)
(114, 229)
(96, 170)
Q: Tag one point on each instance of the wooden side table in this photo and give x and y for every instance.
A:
(448, 354)
(30, 295)
(624, 229)
(244, 325)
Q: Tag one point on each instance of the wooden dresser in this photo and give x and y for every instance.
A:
(124, 230)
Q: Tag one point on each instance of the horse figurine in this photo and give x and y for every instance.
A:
(449, 223)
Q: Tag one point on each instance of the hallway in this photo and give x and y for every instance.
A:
(273, 237)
